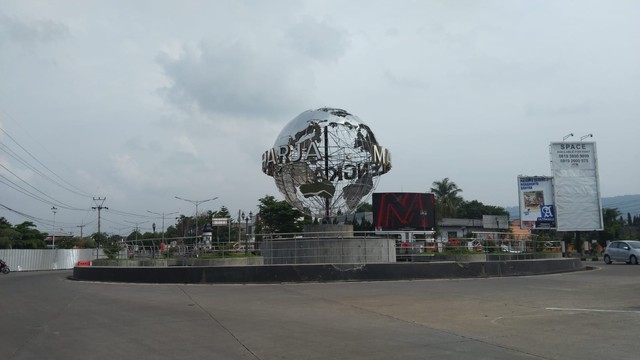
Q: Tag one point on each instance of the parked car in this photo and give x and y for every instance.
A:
(622, 250)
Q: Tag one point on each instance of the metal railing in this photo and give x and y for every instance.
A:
(338, 247)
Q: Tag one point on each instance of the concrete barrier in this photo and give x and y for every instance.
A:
(325, 272)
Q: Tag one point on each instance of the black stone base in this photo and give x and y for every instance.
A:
(324, 272)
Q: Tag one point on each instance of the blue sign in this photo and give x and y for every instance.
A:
(547, 213)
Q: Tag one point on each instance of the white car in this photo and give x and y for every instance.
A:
(622, 250)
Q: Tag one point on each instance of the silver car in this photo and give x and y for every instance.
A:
(622, 250)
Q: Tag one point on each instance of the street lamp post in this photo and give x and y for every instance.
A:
(54, 210)
(246, 231)
(196, 203)
(163, 215)
(136, 231)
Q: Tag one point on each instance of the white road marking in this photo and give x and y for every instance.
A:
(594, 310)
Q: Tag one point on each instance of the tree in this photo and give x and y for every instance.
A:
(613, 223)
(447, 197)
(8, 235)
(27, 236)
(182, 226)
(172, 232)
(4, 223)
(135, 235)
(475, 209)
(67, 242)
(278, 217)
(363, 225)
(364, 207)
(112, 249)
(99, 238)
(223, 212)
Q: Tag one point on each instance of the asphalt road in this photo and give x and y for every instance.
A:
(583, 315)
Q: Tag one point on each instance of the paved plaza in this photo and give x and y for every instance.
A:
(591, 314)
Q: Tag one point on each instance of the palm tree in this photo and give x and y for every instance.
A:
(447, 198)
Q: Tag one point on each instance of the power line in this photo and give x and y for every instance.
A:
(28, 193)
(27, 216)
(119, 212)
(11, 153)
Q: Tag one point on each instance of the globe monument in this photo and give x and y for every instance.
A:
(325, 162)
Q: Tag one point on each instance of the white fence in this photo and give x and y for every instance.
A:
(33, 260)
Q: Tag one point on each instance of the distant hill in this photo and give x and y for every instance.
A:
(625, 204)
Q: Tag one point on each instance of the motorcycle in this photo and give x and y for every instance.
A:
(4, 268)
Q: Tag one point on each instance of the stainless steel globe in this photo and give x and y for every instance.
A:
(326, 162)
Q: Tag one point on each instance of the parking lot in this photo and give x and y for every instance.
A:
(581, 315)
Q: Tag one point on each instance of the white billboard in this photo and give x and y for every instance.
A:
(576, 186)
(536, 202)
(219, 221)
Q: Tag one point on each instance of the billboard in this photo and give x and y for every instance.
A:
(403, 211)
(220, 221)
(576, 186)
(536, 203)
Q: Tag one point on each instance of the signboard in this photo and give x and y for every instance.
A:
(403, 211)
(536, 203)
(576, 186)
(219, 221)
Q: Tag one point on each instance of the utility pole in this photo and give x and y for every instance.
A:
(99, 207)
(54, 210)
(81, 226)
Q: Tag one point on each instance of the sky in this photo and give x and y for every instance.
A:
(140, 101)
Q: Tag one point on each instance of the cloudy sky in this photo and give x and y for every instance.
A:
(142, 101)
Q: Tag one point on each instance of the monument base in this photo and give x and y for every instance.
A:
(328, 244)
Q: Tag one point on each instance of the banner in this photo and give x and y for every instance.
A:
(576, 186)
(536, 202)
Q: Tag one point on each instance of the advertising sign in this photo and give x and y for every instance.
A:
(403, 211)
(219, 221)
(536, 202)
(576, 186)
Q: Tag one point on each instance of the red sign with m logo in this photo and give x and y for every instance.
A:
(404, 211)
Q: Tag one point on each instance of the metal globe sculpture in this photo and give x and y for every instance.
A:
(326, 162)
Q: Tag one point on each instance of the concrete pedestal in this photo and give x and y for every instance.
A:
(328, 244)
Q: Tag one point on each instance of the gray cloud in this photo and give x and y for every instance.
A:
(32, 32)
(246, 79)
(469, 90)
(318, 40)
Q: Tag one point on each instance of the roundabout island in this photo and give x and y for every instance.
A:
(237, 271)
(325, 162)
